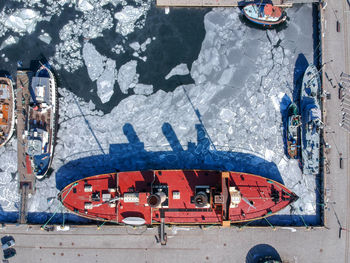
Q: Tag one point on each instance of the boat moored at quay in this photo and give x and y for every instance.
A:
(176, 197)
(40, 126)
(7, 110)
(264, 14)
(293, 130)
(312, 121)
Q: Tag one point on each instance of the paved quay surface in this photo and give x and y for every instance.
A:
(125, 244)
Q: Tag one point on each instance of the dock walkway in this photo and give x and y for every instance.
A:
(26, 180)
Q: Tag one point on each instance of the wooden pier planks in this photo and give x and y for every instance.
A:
(26, 180)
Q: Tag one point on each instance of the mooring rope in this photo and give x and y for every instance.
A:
(59, 206)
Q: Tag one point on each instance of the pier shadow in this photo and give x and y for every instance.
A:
(262, 253)
(285, 102)
(133, 156)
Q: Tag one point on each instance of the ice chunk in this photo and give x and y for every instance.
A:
(118, 49)
(101, 69)
(45, 38)
(227, 115)
(226, 76)
(181, 69)
(127, 76)
(23, 20)
(135, 46)
(9, 41)
(142, 89)
(84, 5)
(91, 25)
(144, 44)
(105, 83)
(275, 103)
(93, 60)
(127, 18)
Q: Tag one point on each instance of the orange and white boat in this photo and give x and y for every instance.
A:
(176, 197)
(7, 110)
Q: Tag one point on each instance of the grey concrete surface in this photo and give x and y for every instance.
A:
(126, 244)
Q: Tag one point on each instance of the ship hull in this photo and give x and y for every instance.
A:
(230, 197)
(251, 12)
(7, 110)
(293, 130)
(42, 120)
(312, 124)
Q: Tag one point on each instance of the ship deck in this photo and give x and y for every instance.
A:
(6, 110)
(258, 196)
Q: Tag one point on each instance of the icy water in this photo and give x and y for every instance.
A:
(141, 89)
(178, 38)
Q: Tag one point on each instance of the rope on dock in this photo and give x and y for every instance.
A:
(58, 207)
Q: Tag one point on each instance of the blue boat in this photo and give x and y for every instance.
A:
(264, 14)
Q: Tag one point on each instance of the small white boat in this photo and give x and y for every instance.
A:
(134, 221)
(41, 122)
(264, 14)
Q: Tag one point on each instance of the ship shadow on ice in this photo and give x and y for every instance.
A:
(133, 156)
(285, 102)
(301, 65)
(8, 217)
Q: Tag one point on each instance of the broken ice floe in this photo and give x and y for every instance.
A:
(9, 196)
(45, 37)
(230, 115)
(142, 89)
(127, 76)
(91, 25)
(128, 17)
(181, 69)
(23, 20)
(9, 41)
(101, 69)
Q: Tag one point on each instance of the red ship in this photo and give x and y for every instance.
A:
(176, 197)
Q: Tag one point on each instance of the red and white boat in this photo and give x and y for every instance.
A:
(176, 197)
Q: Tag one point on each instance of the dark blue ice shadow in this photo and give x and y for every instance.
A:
(42, 217)
(8, 217)
(133, 156)
(301, 65)
(285, 102)
(262, 253)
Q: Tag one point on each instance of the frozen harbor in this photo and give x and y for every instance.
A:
(225, 107)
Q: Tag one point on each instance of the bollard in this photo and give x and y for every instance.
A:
(340, 92)
(340, 161)
(338, 26)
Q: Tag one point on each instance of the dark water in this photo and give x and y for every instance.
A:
(179, 36)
